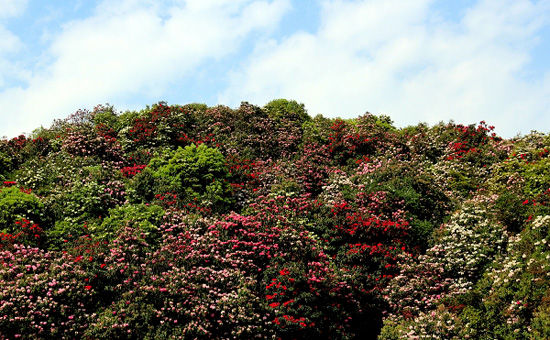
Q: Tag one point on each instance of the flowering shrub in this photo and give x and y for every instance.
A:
(15, 204)
(5, 165)
(44, 294)
(90, 197)
(516, 286)
(437, 324)
(87, 142)
(130, 171)
(261, 222)
(466, 244)
(25, 232)
(474, 144)
(289, 116)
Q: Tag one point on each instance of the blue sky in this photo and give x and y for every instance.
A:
(415, 60)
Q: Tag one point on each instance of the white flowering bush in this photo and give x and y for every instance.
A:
(515, 288)
(434, 325)
(450, 268)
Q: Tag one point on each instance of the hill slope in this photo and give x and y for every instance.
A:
(208, 222)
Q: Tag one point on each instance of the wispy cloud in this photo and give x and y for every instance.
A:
(11, 8)
(132, 48)
(404, 59)
(9, 42)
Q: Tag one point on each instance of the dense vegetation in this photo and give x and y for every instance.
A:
(210, 222)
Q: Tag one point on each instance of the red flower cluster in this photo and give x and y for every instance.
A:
(167, 198)
(27, 232)
(470, 139)
(131, 171)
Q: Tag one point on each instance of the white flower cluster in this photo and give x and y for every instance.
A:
(333, 191)
(465, 245)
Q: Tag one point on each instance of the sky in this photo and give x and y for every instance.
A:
(414, 60)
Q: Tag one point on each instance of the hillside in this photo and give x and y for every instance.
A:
(263, 222)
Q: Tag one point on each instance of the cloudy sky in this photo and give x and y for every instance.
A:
(414, 60)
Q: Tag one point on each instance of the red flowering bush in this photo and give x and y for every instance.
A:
(25, 232)
(130, 171)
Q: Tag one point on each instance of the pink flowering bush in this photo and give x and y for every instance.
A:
(43, 294)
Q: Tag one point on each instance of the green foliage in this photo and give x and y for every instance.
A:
(540, 325)
(197, 108)
(62, 232)
(144, 218)
(138, 314)
(105, 115)
(438, 324)
(383, 122)
(537, 177)
(279, 109)
(5, 164)
(516, 286)
(529, 178)
(317, 130)
(127, 118)
(424, 142)
(426, 204)
(15, 204)
(90, 193)
(464, 180)
(40, 174)
(512, 211)
(141, 188)
(195, 174)
(82, 201)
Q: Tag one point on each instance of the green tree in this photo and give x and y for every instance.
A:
(195, 174)
(286, 109)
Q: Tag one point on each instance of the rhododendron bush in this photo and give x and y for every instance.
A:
(197, 222)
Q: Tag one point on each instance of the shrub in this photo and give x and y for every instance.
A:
(144, 218)
(338, 228)
(16, 204)
(5, 165)
(437, 324)
(44, 294)
(90, 196)
(516, 285)
(540, 325)
(280, 109)
(195, 174)
(512, 211)
(63, 233)
(464, 247)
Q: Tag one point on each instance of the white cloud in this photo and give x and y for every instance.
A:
(11, 8)
(400, 58)
(9, 42)
(132, 47)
